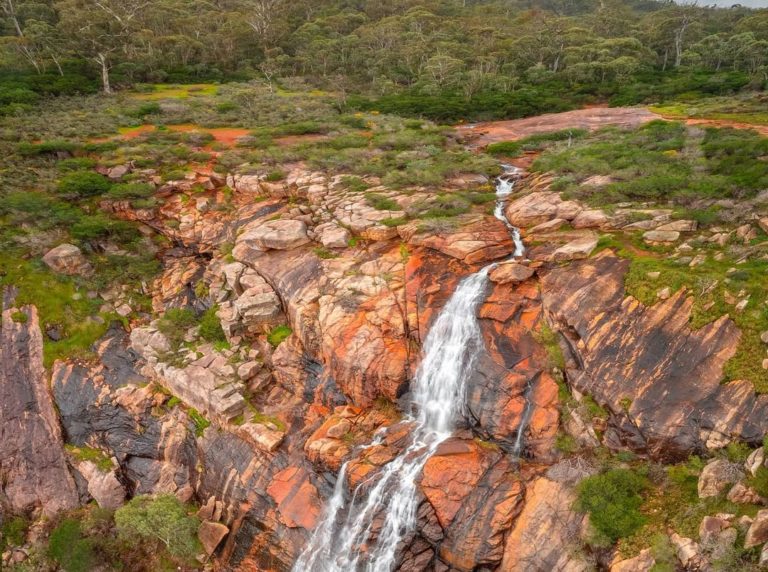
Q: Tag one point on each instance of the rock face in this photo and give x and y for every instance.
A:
(67, 259)
(33, 470)
(276, 234)
(546, 534)
(622, 350)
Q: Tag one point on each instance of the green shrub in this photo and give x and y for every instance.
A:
(612, 500)
(175, 323)
(13, 532)
(278, 335)
(149, 108)
(69, 548)
(131, 191)
(201, 423)
(274, 176)
(760, 481)
(380, 202)
(505, 148)
(354, 184)
(324, 253)
(93, 227)
(210, 326)
(84, 184)
(162, 520)
(46, 148)
(76, 164)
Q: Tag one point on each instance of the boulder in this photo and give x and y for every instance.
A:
(549, 226)
(758, 530)
(679, 226)
(331, 235)
(510, 272)
(211, 534)
(281, 234)
(688, 551)
(258, 305)
(575, 250)
(742, 494)
(716, 476)
(67, 259)
(103, 486)
(661, 236)
(756, 458)
(590, 219)
(763, 224)
(710, 528)
(643, 562)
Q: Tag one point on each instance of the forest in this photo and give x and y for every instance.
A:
(442, 59)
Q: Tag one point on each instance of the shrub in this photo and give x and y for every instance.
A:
(69, 548)
(505, 148)
(13, 532)
(201, 423)
(210, 326)
(131, 191)
(381, 202)
(274, 176)
(46, 148)
(162, 520)
(83, 184)
(76, 164)
(613, 501)
(175, 323)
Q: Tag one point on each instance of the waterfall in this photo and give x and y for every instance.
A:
(341, 542)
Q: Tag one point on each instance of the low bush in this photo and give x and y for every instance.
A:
(131, 191)
(381, 202)
(83, 184)
(612, 500)
(69, 548)
(210, 326)
(163, 521)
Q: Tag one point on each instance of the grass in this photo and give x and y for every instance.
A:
(98, 457)
(661, 161)
(200, 422)
(709, 283)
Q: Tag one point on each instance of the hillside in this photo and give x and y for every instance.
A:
(416, 286)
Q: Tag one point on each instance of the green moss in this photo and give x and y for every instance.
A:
(324, 253)
(549, 339)
(98, 457)
(70, 548)
(19, 317)
(278, 335)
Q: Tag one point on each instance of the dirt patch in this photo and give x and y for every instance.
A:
(483, 134)
(720, 123)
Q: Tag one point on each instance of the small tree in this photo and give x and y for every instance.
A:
(162, 519)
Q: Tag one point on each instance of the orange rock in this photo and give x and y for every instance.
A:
(298, 503)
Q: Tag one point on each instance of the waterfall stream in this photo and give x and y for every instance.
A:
(340, 543)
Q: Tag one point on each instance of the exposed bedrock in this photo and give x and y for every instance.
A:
(34, 475)
(661, 379)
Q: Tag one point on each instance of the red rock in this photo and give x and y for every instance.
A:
(298, 503)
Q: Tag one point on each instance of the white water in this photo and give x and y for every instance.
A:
(341, 543)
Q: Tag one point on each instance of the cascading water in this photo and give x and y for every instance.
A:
(340, 543)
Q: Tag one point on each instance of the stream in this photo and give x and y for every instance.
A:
(340, 542)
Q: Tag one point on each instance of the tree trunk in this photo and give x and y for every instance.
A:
(102, 60)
